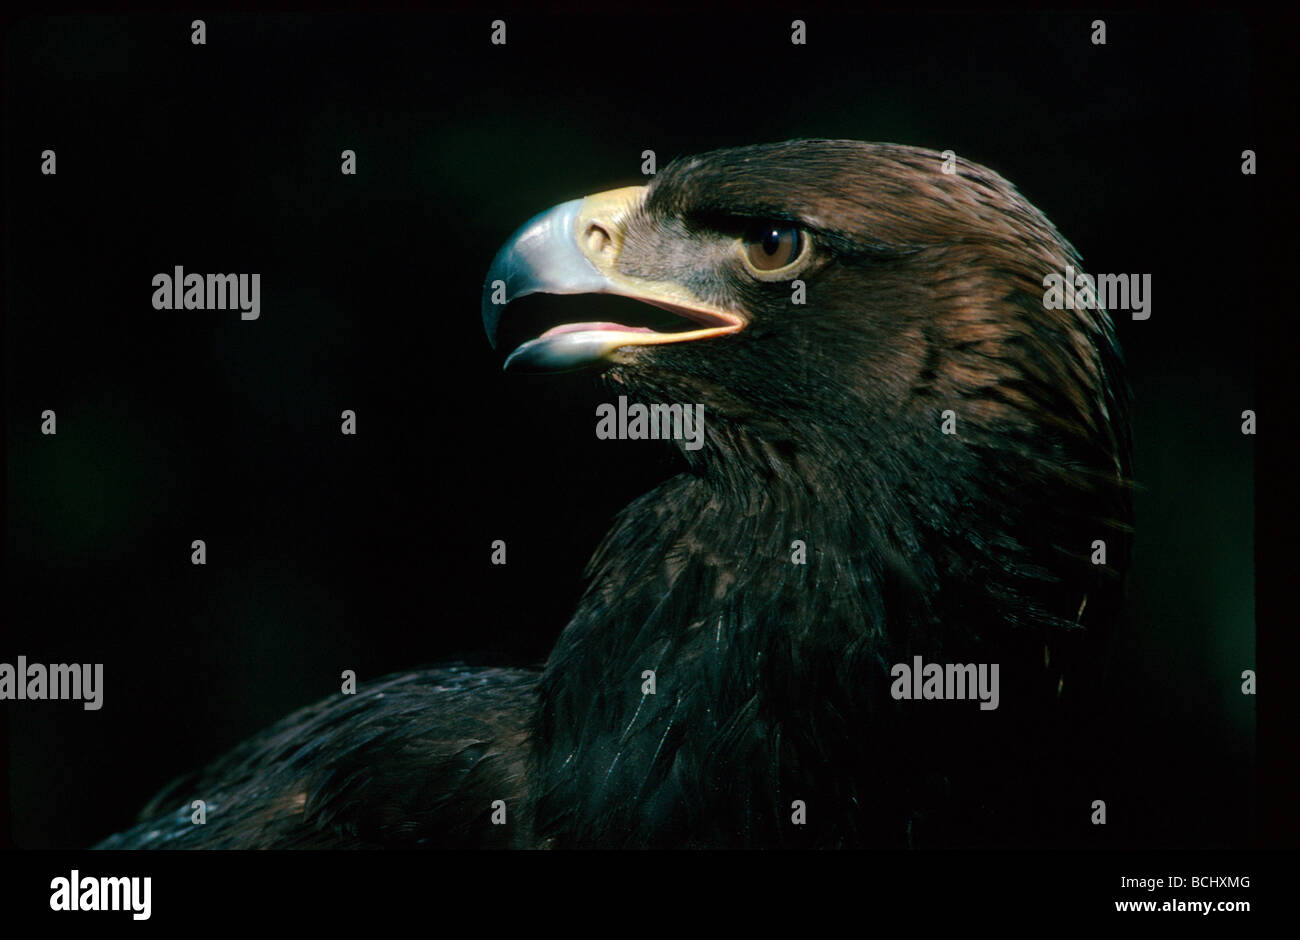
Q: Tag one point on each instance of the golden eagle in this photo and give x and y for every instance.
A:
(908, 459)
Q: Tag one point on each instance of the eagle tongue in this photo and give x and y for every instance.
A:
(595, 326)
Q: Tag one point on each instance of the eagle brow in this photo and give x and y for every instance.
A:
(740, 223)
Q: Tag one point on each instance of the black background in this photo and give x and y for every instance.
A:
(371, 553)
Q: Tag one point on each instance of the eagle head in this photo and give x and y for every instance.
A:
(826, 289)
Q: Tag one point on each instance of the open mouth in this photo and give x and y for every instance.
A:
(582, 327)
(615, 322)
(610, 313)
(663, 319)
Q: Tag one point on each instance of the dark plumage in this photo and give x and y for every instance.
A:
(924, 293)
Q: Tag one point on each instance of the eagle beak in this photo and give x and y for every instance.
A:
(574, 248)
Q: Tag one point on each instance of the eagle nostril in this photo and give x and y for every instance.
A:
(598, 240)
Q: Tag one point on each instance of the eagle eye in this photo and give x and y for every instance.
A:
(773, 246)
